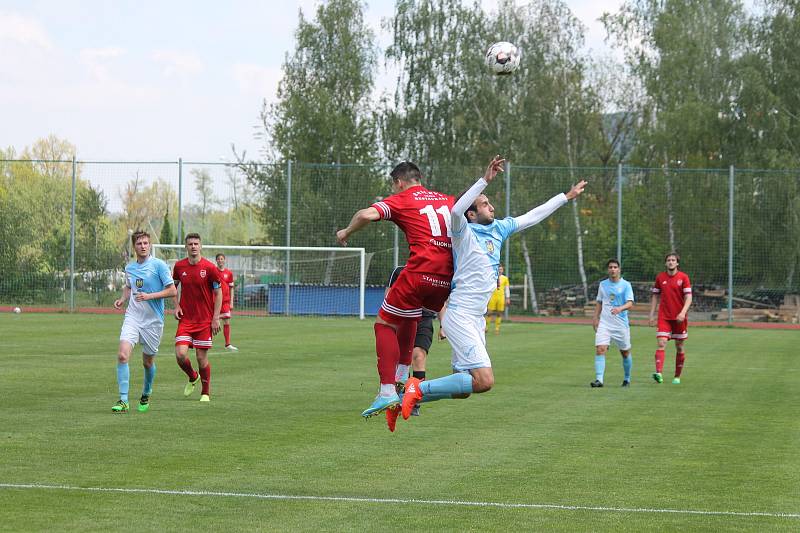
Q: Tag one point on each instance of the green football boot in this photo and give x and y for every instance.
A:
(144, 403)
(120, 407)
(658, 377)
(189, 388)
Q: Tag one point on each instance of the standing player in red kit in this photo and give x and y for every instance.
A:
(424, 217)
(227, 301)
(197, 309)
(672, 295)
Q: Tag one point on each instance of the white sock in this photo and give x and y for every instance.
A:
(388, 390)
(401, 374)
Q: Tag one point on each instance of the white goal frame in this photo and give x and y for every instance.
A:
(361, 252)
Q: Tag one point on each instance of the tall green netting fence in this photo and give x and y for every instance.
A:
(737, 230)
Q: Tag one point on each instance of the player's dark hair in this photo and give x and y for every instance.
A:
(473, 208)
(614, 261)
(219, 255)
(192, 236)
(138, 234)
(406, 171)
(673, 254)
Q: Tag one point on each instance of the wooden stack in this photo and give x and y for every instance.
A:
(789, 311)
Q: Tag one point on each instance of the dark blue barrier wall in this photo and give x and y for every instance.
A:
(323, 300)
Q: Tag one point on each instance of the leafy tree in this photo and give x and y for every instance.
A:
(204, 188)
(166, 236)
(323, 115)
(143, 205)
(684, 54)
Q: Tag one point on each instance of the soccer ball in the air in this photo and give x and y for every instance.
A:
(502, 58)
(17, 310)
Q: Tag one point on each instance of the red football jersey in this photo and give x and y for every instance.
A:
(226, 277)
(673, 290)
(424, 217)
(197, 284)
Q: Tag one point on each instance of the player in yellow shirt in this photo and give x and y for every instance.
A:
(501, 297)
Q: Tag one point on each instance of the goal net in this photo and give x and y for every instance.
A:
(281, 280)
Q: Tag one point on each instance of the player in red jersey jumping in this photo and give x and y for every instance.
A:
(197, 309)
(672, 295)
(227, 300)
(424, 217)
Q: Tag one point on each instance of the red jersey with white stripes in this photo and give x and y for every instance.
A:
(424, 217)
(673, 291)
(197, 284)
(226, 278)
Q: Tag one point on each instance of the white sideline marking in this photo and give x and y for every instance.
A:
(396, 500)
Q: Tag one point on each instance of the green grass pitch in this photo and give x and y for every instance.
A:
(282, 446)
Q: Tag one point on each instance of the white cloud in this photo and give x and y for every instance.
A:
(176, 63)
(23, 30)
(257, 79)
(99, 61)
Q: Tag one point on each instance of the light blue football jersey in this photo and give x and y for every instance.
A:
(476, 249)
(612, 295)
(151, 276)
(476, 260)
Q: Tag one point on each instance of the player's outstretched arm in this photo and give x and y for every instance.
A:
(176, 304)
(653, 306)
(359, 221)
(215, 328)
(686, 303)
(598, 306)
(470, 195)
(624, 307)
(168, 292)
(126, 293)
(537, 214)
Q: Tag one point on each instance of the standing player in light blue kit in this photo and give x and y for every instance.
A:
(614, 298)
(477, 238)
(147, 282)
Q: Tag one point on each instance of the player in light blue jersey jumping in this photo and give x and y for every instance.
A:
(477, 239)
(147, 282)
(614, 298)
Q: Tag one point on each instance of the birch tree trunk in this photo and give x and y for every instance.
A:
(575, 212)
(534, 303)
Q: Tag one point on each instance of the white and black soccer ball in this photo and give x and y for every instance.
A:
(502, 58)
(17, 310)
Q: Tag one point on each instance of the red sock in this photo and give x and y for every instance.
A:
(186, 366)
(406, 334)
(680, 357)
(226, 329)
(205, 379)
(388, 351)
(659, 360)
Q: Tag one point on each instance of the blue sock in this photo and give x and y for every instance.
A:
(123, 377)
(627, 364)
(149, 376)
(433, 397)
(599, 367)
(458, 383)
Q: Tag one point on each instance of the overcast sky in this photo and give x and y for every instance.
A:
(158, 80)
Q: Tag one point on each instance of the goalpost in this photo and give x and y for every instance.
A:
(289, 280)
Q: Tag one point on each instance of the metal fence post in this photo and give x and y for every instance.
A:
(180, 201)
(619, 213)
(72, 238)
(731, 175)
(287, 279)
(508, 214)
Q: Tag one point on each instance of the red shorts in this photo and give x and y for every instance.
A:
(193, 335)
(411, 292)
(672, 329)
(225, 310)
